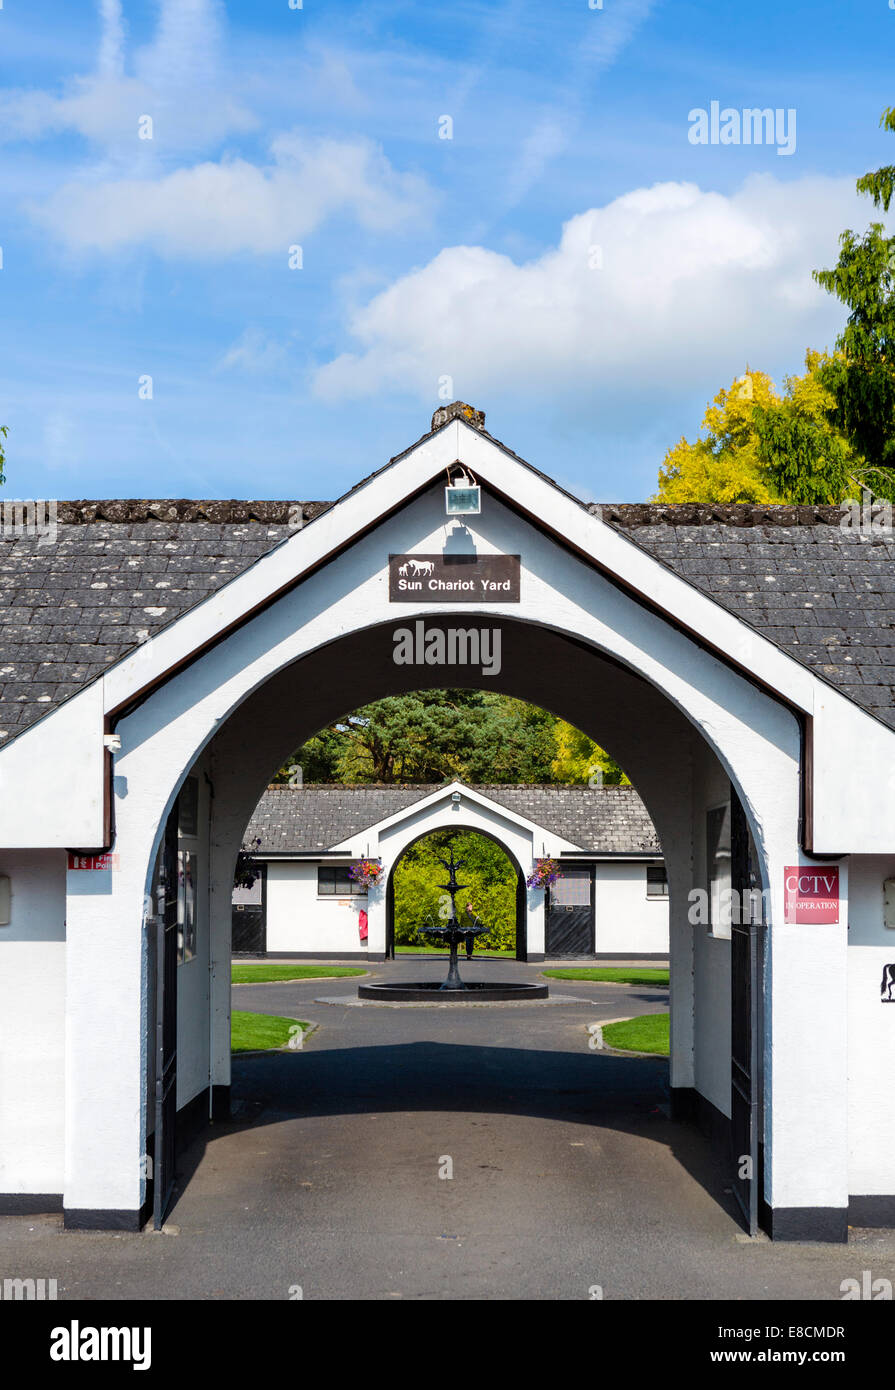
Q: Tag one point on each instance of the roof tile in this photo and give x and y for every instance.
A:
(783, 570)
(609, 820)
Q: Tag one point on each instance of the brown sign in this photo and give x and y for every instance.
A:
(453, 578)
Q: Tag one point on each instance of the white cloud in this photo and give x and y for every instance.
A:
(255, 353)
(187, 48)
(604, 36)
(545, 141)
(133, 195)
(689, 281)
(232, 206)
(180, 79)
(110, 62)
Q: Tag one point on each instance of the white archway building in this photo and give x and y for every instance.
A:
(609, 901)
(704, 709)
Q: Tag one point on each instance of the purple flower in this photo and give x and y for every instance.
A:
(545, 872)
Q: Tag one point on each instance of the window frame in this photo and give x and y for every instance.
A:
(350, 890)
(662, 896)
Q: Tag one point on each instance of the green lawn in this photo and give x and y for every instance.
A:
(253, 1032)
(262, 974)
(444, 950)
(646, 1034)
(611, 975)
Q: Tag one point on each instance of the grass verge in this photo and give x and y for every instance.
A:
(444, 950)
(258, 1032)
(610, 975)
(261, 974)
(650, 1033)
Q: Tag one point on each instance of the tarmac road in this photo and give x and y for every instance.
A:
(567, 1173)
(608, 1000)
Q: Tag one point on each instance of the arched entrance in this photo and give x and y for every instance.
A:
(670, 761)
(521, 893)
(692, 706)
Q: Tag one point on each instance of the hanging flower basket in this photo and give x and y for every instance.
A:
(366, 872)
(545, 872)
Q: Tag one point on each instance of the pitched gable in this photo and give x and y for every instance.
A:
(315, 818)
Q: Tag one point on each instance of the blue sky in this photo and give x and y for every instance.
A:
(568, 261)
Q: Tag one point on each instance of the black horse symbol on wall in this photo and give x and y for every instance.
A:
(888, 985)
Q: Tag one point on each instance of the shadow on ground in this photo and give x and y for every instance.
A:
(627, 1094)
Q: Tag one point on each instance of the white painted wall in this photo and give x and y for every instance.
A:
(806, 1056)
(300, 920)
(32, 1024)
(711, 953)
(871, 1031)
(627, 921)
(51, 778)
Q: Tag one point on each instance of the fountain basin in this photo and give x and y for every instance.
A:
(433, 992)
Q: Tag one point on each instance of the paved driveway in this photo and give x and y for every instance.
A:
(567, 1172)
(607, 1000)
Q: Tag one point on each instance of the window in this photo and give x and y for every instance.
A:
(656, 881)
(571, 889)
(333, 881)
(249, 897)
(718, 863)
(187, 878)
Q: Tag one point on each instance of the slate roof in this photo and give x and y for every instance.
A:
(605, 820)
(116, 574)
(825, 594)
(120, 571)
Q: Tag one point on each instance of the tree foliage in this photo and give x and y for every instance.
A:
(443, 735)
(723, 465)
(861, 377)
(806, 456)
(487, 872)
(578, 759)
(763, 447)
(880, 185)
(4, 431)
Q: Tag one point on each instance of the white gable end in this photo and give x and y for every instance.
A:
(330, 580)
(441, 812)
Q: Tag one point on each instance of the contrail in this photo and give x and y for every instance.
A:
(111, 45)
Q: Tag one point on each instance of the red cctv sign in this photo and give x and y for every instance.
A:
(811, 893)
(93, 861)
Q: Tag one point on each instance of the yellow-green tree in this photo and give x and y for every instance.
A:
(490, 889)
(580, 760)
(758, 445)
(722, 465)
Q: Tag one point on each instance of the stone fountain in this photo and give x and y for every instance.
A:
(453, 989)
